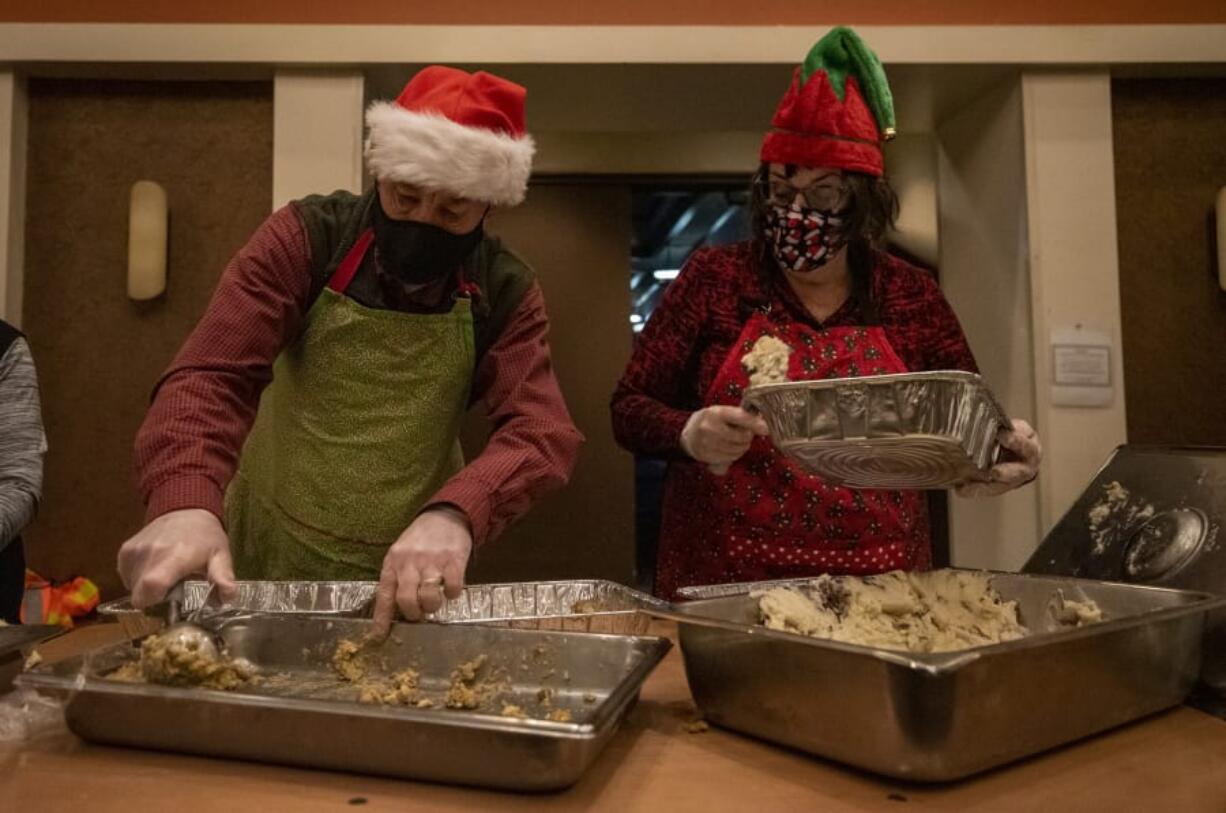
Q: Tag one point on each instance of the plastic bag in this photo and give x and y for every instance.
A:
(26, 715)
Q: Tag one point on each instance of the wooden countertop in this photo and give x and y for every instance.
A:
(1173, 761)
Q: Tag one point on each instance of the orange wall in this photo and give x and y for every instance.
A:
(622, 12)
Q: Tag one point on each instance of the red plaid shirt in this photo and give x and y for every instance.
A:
(204, 405)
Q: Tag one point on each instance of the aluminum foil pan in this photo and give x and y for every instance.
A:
(342, 599)
(910, 430)
(571, 606)
(590, 605)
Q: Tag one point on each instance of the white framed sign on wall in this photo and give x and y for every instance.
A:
(1081, 367)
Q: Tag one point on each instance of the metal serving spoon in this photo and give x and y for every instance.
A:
(194, 632)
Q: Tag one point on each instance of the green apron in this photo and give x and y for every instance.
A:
(358, 428)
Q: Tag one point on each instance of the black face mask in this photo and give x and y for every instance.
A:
(416, 252)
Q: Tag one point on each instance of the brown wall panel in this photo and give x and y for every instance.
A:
(1170, 161)
(627, 12)
(98, 353)
(578, 240)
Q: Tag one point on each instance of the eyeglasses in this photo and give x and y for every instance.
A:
(827, 194)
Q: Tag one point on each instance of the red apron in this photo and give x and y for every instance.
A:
(767, 518)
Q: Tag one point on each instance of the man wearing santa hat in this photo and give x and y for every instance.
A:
(308, 427)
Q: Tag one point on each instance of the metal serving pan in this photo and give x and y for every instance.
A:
(590, 605)
(908, 430)
(1152, 515)
(944, 716)
(596, 677)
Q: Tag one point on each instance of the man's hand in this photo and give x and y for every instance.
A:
(426, 563)
(1022, 467)
(172, 547)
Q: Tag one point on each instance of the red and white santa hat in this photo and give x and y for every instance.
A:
(453, 130)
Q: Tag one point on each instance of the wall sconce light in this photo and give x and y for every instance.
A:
(1221, 237)
(147, 229)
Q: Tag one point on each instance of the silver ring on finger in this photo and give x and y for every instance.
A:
(432, 585)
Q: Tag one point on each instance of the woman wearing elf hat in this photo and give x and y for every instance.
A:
(815, 275)
(308, 427)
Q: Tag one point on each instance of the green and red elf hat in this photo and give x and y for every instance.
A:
(837, 111)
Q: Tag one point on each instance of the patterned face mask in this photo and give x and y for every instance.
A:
(804, 239)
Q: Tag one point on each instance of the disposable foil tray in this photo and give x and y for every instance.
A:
(927, 430)
(591, 605)
(572, 606)
(337, 599)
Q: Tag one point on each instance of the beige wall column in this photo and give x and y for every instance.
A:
(984, 273)
(1070, 197)
(317, 133)
(13, 120)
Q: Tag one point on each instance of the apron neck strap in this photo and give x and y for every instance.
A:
(353, 260)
